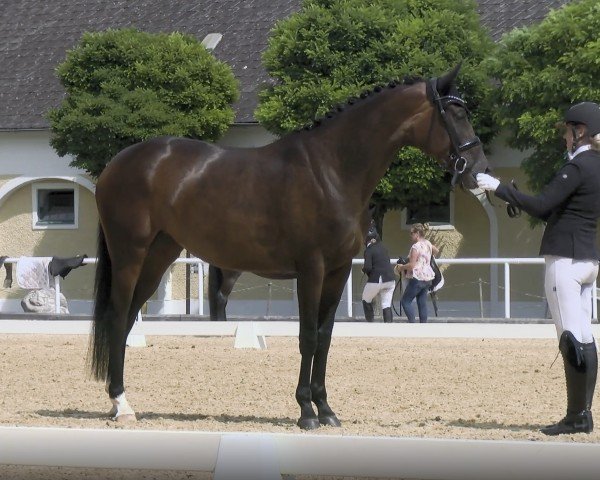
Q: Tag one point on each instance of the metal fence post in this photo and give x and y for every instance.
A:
(268, 313)
(481, 298)
(506, 290)
(56, 295)
(200, 265)
(349, 294)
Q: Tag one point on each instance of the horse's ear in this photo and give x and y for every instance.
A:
(445, 82)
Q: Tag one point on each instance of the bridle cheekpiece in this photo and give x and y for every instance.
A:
(457, 163)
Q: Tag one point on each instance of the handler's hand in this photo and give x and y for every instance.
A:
(487, 182)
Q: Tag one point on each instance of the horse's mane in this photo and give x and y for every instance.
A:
(408, 80)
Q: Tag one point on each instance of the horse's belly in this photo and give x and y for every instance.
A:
(244, 235)
(236, 252)
(276, 276)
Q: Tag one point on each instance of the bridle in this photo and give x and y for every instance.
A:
(456, 163)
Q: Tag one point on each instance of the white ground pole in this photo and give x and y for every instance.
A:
(257, 456)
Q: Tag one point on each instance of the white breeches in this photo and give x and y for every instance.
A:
(568, 284)
(385, 289)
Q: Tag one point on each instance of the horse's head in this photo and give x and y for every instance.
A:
(450, 136)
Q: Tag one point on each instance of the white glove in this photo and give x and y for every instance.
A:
(487, 182)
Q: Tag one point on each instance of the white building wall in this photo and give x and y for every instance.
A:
(29, 153)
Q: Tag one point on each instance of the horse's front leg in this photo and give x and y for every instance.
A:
(309, 293)
(333, 287)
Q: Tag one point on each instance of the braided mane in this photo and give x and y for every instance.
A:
(408, 80)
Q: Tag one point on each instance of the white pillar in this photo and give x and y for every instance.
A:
(164, 293)
(493, 219)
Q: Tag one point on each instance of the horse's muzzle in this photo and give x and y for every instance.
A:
(468, 180)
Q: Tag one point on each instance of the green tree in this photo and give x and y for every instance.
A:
(124, 86)
(543, 69)
(334, 49)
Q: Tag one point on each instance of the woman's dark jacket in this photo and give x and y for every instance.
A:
(377, 264)
(570, 206)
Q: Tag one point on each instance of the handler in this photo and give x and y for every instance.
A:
(570, 206)
(380, 281)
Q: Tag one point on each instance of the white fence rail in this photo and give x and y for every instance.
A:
(506, 262)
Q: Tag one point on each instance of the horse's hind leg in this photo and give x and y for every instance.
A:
(333, 286)
(158, 257)
(125, 273)
(162, 253)
(220, 285)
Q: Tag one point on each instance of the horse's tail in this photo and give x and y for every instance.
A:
(99, 344)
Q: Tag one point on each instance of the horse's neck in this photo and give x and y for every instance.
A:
(366, 137)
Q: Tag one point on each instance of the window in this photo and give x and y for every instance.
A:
(55, 206)
(438, 215)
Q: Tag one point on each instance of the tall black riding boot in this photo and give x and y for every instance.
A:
(387, 315)
(369, 313)
(578, 375)
(590, 358)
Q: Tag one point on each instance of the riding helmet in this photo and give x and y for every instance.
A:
(587, 113)
(372, 234)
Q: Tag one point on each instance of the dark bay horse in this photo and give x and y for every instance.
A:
(296, 208)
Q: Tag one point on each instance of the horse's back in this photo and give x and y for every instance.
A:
(140, 172)
(142, 159)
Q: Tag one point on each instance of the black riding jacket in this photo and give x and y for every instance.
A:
(570, 206)
(377, 264)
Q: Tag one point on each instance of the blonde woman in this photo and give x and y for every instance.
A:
(418, 272)
(570, 206)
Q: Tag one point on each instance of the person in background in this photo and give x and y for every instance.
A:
(418, 272)
(380, 281)
(570, 206)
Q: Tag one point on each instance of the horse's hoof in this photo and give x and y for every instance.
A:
(308, 423)
(330, 420)
(126, 418)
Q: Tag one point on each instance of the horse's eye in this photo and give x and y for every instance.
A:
(461, 114)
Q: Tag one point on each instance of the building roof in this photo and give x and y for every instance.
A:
(501, 16)
(35, 36)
